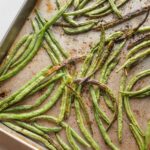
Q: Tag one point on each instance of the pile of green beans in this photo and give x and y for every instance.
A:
(58, 83)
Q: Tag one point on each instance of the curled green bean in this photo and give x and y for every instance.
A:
(126, 99)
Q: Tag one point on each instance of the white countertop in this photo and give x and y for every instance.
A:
(8, 11)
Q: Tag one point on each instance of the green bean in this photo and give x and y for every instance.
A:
(25, 86)
(68, 19)
(126, 99)
(63, 106)
(62, 143)
(109, 70)
(101, 62)
(85, 10)
(82, 127)
(114, 36)
(22, 94)
(143, 29)
(56, 17)
(104, 133)
(38, 102)
(31, 82)
(30, 134)
(47, 129)
(21, 51)
(34, 26)
(83, 106)
(137, 48)
(147, 136)
(106, 89)
(47, 82)
(76, 3)
(88, 61)
(138, 41)
(50, 33)
(99, 52)
(137, 136)
(97, 107)
(132, 94)
(45, 108)
(12, 53)
(39, 132)
(24, 62)
(134, 59)
(98, 10)
(39, 40)
(111, 58)
(114, 8)
(26, 53)
(51, 43)
(120, 108)
(82, 4)
(68, 105)
(71, 140)
(108, 102)
(124, 19)
(80, 29)
(105, 10)
(64, 125)
(143, 95)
